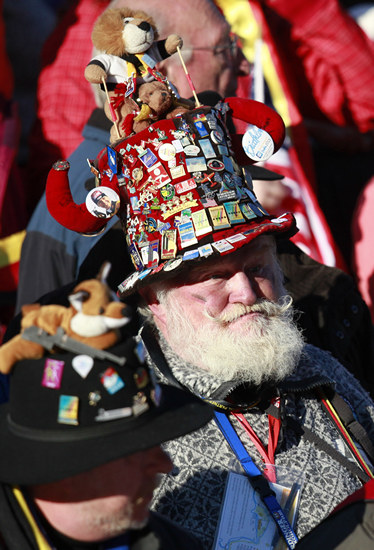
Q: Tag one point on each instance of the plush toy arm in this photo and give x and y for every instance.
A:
(94, 72)
(173, 42)
(17, 349)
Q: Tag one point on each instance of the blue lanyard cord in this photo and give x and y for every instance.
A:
(256, 479)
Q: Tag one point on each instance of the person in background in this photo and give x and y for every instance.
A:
(79, 470)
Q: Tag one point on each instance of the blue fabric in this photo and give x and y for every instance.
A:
(51, 254)
(95, 139)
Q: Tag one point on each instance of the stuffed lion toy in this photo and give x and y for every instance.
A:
(129, 51)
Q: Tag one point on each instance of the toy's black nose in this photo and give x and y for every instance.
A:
(144, 26)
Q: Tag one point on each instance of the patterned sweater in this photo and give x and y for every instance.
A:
(191, 494)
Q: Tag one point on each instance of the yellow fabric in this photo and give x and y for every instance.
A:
(40, 539)
(10, 248)
(239, 15)
(131, 68)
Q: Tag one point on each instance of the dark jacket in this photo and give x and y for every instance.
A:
(333, 315)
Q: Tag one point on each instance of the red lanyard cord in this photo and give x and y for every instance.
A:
(274, 430)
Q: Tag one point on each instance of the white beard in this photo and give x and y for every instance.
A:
(266, 349)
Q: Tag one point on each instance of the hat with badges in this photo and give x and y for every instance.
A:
(184, 194)
(70, 413)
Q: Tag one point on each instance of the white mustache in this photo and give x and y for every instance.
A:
(264, 307)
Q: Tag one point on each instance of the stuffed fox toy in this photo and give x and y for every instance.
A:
(92, 319)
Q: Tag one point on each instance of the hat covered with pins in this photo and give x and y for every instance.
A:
(183, 193)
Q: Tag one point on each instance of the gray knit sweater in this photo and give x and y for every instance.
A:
(191, 494)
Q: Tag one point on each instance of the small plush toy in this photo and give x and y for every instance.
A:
(154, 100)
(92, 319)
(127, 40)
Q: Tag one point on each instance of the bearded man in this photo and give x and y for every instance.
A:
(224, 330)
(220, 325)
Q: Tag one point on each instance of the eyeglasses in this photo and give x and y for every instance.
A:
(231, 46)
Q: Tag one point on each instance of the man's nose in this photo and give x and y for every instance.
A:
(242, 289)
(158, 461)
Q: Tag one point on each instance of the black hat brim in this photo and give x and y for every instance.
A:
(261, 173)
(28, 459)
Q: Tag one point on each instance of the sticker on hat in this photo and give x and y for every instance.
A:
(257, 143)
(103, 202)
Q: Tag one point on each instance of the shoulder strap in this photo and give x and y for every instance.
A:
(353, 426)
(327, 448)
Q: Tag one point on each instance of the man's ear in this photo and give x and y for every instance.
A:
(158, 310)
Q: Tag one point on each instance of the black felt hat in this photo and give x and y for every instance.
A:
(70, 413)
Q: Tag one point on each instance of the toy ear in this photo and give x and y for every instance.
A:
(260, 115)
(61, 205)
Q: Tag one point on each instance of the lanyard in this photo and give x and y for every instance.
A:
(119, 543)
(258, 482)
(274, 429)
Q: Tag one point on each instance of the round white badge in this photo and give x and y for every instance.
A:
(103, 202)
(166, 151)
(257, 144)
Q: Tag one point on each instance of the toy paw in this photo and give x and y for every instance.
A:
(172, 43)
(93, 73)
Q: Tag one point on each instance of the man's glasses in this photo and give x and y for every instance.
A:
(231, 46)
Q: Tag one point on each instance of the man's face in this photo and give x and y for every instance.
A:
(228, 317)
(213, 62)
(243, 277)
(104, 202)
(105, 501)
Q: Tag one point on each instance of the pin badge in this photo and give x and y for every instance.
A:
(201, 128)
(111, 381)
(141, 377)
(93, 398)
(52, 373)
(103, 202)
(222, 246)
(113, 414)
(257, 143)
(219, 217)
(187, 234)
(207, 148)
(82, 364)
(68, 410)
(167, 151)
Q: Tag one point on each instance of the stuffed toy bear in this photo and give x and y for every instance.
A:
(129, 50)
(92, 319)
(154, 100)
